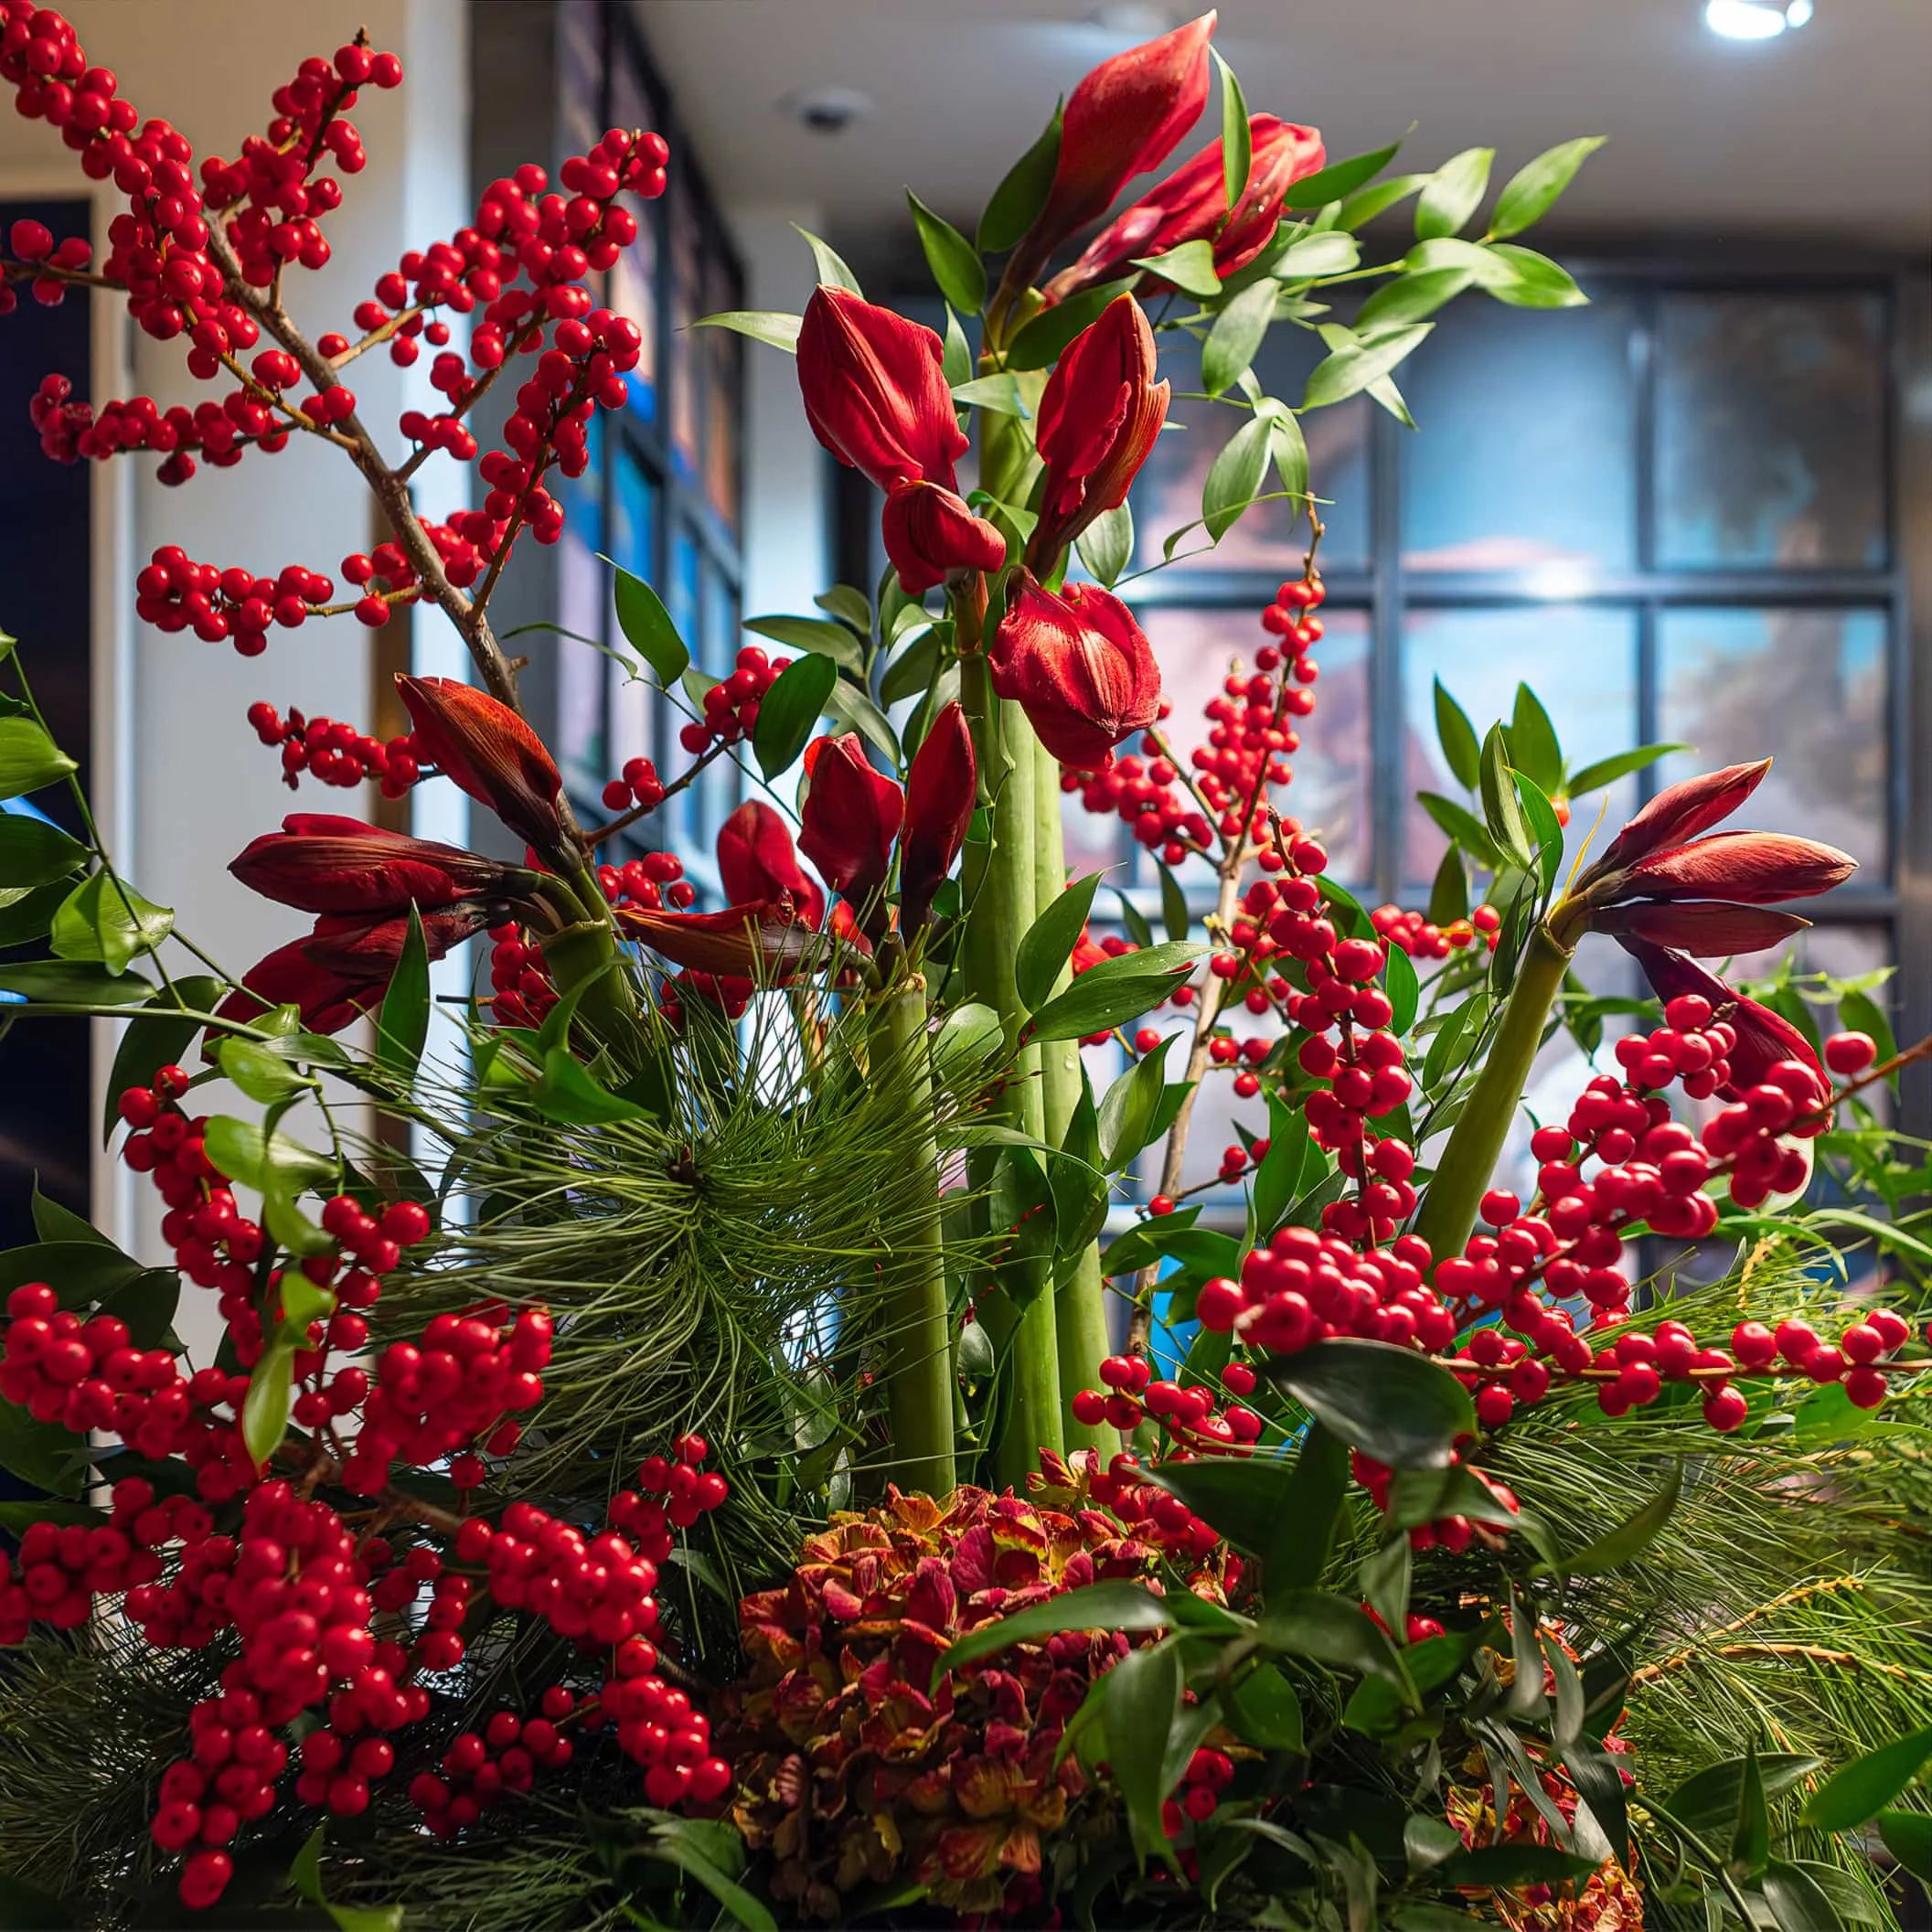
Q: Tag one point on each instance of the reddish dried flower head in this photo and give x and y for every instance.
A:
(930, 535)
(1705, 928)
(1191, 205)
(1679, 812)
(851, 816)
(759, 941)
(756, 863)
(321, 863)
(1078, 666)
(939, 794)
(1100, 416)
(1756, 868)
(874, 392)
(488, 751)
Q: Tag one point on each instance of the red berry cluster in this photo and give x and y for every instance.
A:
(654, 881)
(173, 593)
(1420, 938)
(336, 751)
(1188, 1415)
(1853, 1359)
(639, 787)
(38, 260)
(1143, 790)
(1151, 1514)
(521, 988)
(1447, 1532)
(1302, 1286)
(731, 707)
(1198, 1796)
(727, 992)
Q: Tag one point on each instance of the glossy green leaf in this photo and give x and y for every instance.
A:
(262, 1075)
(1331, 1631)
(1238, 333)
(1237, 139)
(270, 1163)
(27, 912)
(1278, 1180)
(1106, 546)
(1143, 1702)
(265, 1408)
(1235, 477)
(770, 326)
(1533, 281)
(1500, 1867)
(1907, 1836)
(958, 272)
(832, 270)
(1115, 990)
(1175, 918)
(1410, 298)
(1191, 268)
(105, 919)
(999, 392)
(1126, 1119)
(1453, 193)
(1096, 1606)
(848, 706)
(1246, 1499)
(64, 983)
(1630, 1538)
(1356, 210)
(1264, 1711)
(1308, 258)
(402, 1024)
(1866, 1785)
(1388, 1401)
(817, 635)
(1038, 344)
(1403, 989)
(1049, 942)
(1708, 1800)
(1529, 192)
(1796, 1901)
(1534, 749)
(647, 628)
(1288, 450)
(1340, 178)
(1016, 203)
(566, 1093)
(1502, 810)
(1607, 771)
(1449, 894)
(1348, 370)
(29, 759)
(41, 1454)
(154, 1039)
(33, 852)
(790, 710)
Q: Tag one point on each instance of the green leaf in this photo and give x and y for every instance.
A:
(818, 634)
(647, 628)
(1453, 192)
(1115, 990)
(33, 852)
(1235, 477)
(1866, 1785)
(1403, 989)
(960, 274)
(1096, 1606)
(270, 1163)
(999, 392)
(263, 1075)
(1050, 941)
(1136, 921)
(790, 710)
(27, 912)
(265, 1408)
(1022, 192)
(1175, 917)
(1502, 810)
(1410, 298)
(1143, 1700)
(1388, 1401)
(306, 1875)
(28, 758)
(1347, 370)
(1306, 258)
(1534, 749)
(1356, 210)
(1798, 1902)
(770, 325)
(402, 1025)
(1607, 771)
(1246, 1500)
(81, 1269)
(1449, 895)
(58, 983)
(1333, 1632)
(1127, 1113)
(1106, 545)
(1277, 1180)
(1237, 139)
(1907, 1836)
(1191, 268)
(105, 919)
(1462, 824)
(1528, 194)
(832, 272)
(678, 1848)
(849, 705)
(567, 1094)
(1340, 178)
(1038, 344)
(157, 1038)
(1708, 1800)
(1629, 1539)
(1238, 333)
(1264, 1711)
(1289, 449)
(1298, 1552)
(54, 1222)
(1503, 1867)
(41, 1454)
(1533, 281)
(913, 669)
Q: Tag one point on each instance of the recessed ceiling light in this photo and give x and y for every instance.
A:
(1133, 19)
(826, 109)
(1755, 19)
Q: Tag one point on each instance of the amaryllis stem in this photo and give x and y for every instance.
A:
(918, 1341)
(1449, 1202)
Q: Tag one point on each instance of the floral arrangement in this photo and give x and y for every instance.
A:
(746, 1467)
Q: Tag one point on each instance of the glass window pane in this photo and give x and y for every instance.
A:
(1330, 792)
(580, 58)
(1771, 430)
(1581, 661)
(1525, 455)
(1805, 687)
(687, 290)
(633, 545)
(723, 366)
(1271, 536)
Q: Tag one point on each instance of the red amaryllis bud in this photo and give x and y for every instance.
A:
(351, 945)
(874, 392)
(931, 535)
(941, 790)
(1757, 867)
(763, 941)
(756, 863)
(851, 816)
(1125, 117)
(321, 863)
(488, 751)
(1707, 928)
(1189, 204)
(1682, 811)
(1100, 415)
(1764, 1039)
(1078, 666)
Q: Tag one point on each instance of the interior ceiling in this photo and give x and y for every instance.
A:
(1824, 133)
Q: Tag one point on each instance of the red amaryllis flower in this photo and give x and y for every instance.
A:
(931, 535)
(1756, 868)
(371, 947)
(1100, 415)
(1079, 666)
(488, 751)
(1125, 117)
(874, 392)
(1189, 204)
(941, 790)
(763, 941)
(851, 815)
(321, 863)
(1705, 928)
(756, 863)
(1679, 812)
(1764, 1040)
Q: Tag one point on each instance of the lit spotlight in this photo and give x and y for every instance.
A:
(1755, 19)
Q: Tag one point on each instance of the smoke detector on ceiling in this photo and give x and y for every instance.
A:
(826, 109)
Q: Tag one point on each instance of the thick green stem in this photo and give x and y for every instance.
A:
(919, 1354)
(1080, 1316)
(1451, 1201)
(587, 954)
